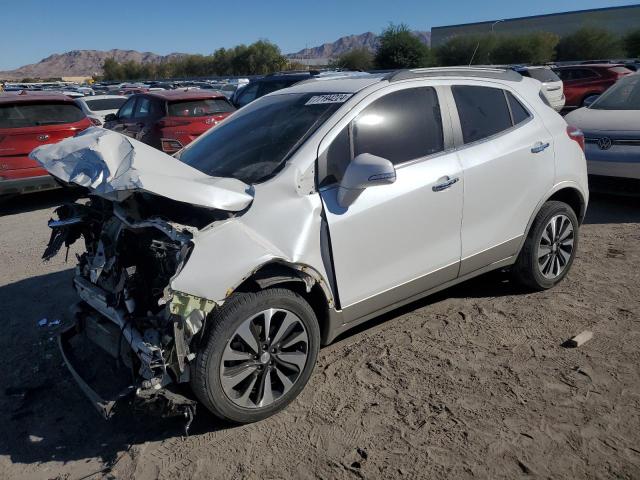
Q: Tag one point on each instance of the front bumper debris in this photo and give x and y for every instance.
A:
(156, 401)
(104, 407)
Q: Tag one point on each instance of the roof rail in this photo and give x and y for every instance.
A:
(479, 72)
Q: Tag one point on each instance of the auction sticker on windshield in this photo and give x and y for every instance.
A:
(329, 98)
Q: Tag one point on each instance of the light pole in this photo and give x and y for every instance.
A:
(492, 32)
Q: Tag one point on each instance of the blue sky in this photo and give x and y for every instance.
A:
(34, 29)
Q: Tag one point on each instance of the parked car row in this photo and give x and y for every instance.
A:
(170, 119)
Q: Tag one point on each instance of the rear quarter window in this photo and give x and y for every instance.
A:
(22, 115)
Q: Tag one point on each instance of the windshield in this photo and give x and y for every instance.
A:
(543, 75)
(199, 108)
(254, 143)
(623, 95)
(36, 114)
(105, 104)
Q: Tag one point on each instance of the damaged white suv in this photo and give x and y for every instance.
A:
(306, 213)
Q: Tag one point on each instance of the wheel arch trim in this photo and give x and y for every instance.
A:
(568, 186)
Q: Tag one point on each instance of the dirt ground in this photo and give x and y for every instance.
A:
(470, 383)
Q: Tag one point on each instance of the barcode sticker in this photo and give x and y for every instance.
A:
(329, 98)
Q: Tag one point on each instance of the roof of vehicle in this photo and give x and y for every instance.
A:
(100, 97)
(356, 83)
(181, 94)
(332, 85)
(39, 96)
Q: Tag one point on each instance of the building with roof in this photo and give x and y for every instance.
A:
(616, 19)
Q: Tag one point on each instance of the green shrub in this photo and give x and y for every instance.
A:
(589, 43)
(399, 48)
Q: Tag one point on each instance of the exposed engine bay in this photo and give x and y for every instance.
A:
(128, 309)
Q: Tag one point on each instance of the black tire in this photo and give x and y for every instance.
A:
(224, 321)
(526, 270)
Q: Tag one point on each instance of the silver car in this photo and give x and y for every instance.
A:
(304, 214)
(611, 127)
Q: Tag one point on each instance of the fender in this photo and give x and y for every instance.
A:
(567, 184)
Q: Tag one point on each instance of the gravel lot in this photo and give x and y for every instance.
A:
(470, 383)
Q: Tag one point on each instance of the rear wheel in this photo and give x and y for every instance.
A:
(259, 355)
(550, 247)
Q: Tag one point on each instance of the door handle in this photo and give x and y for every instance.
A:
(445, 184)
(539, 147)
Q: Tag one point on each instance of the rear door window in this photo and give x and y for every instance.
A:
(142, 107)
(483, 111)
(38, 114)
(401, 126)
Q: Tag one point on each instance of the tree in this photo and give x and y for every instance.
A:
(258, 58)
(589, 43)
(632, 43)
(465, 50)
(399, 48)
(533, 48)
(356, 59)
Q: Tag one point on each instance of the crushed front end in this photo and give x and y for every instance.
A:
(133, 249)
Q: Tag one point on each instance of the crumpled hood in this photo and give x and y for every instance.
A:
(114, 166)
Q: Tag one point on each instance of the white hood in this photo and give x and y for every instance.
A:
(114, 166)
(604, 120)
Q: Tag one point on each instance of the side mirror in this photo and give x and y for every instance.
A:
(364, 171)
(110, 117)
(589, 100)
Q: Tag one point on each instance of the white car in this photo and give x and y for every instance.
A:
(611, 126)
(97, 107)
(306, 213)
(552, 86)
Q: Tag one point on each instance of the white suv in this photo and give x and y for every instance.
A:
(306, 213)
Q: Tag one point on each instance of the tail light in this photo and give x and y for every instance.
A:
(172, 122)
(169, 145)
(576, 135)
(96, 121)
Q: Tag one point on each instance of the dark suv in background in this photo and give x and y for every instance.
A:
(267, 84)
(169, 120)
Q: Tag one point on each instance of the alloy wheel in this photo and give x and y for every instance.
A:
(555, 247)
(264, 358)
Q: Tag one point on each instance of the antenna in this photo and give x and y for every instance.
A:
(474, 53)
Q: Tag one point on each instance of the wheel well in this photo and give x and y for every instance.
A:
(277, 275)
(573, 198)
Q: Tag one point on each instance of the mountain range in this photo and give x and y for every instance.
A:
(79, 63)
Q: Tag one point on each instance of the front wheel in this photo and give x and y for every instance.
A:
(259, 354)
(550, 247)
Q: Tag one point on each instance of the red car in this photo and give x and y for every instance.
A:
(170, 119)
(584, 83)
(28, 120)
